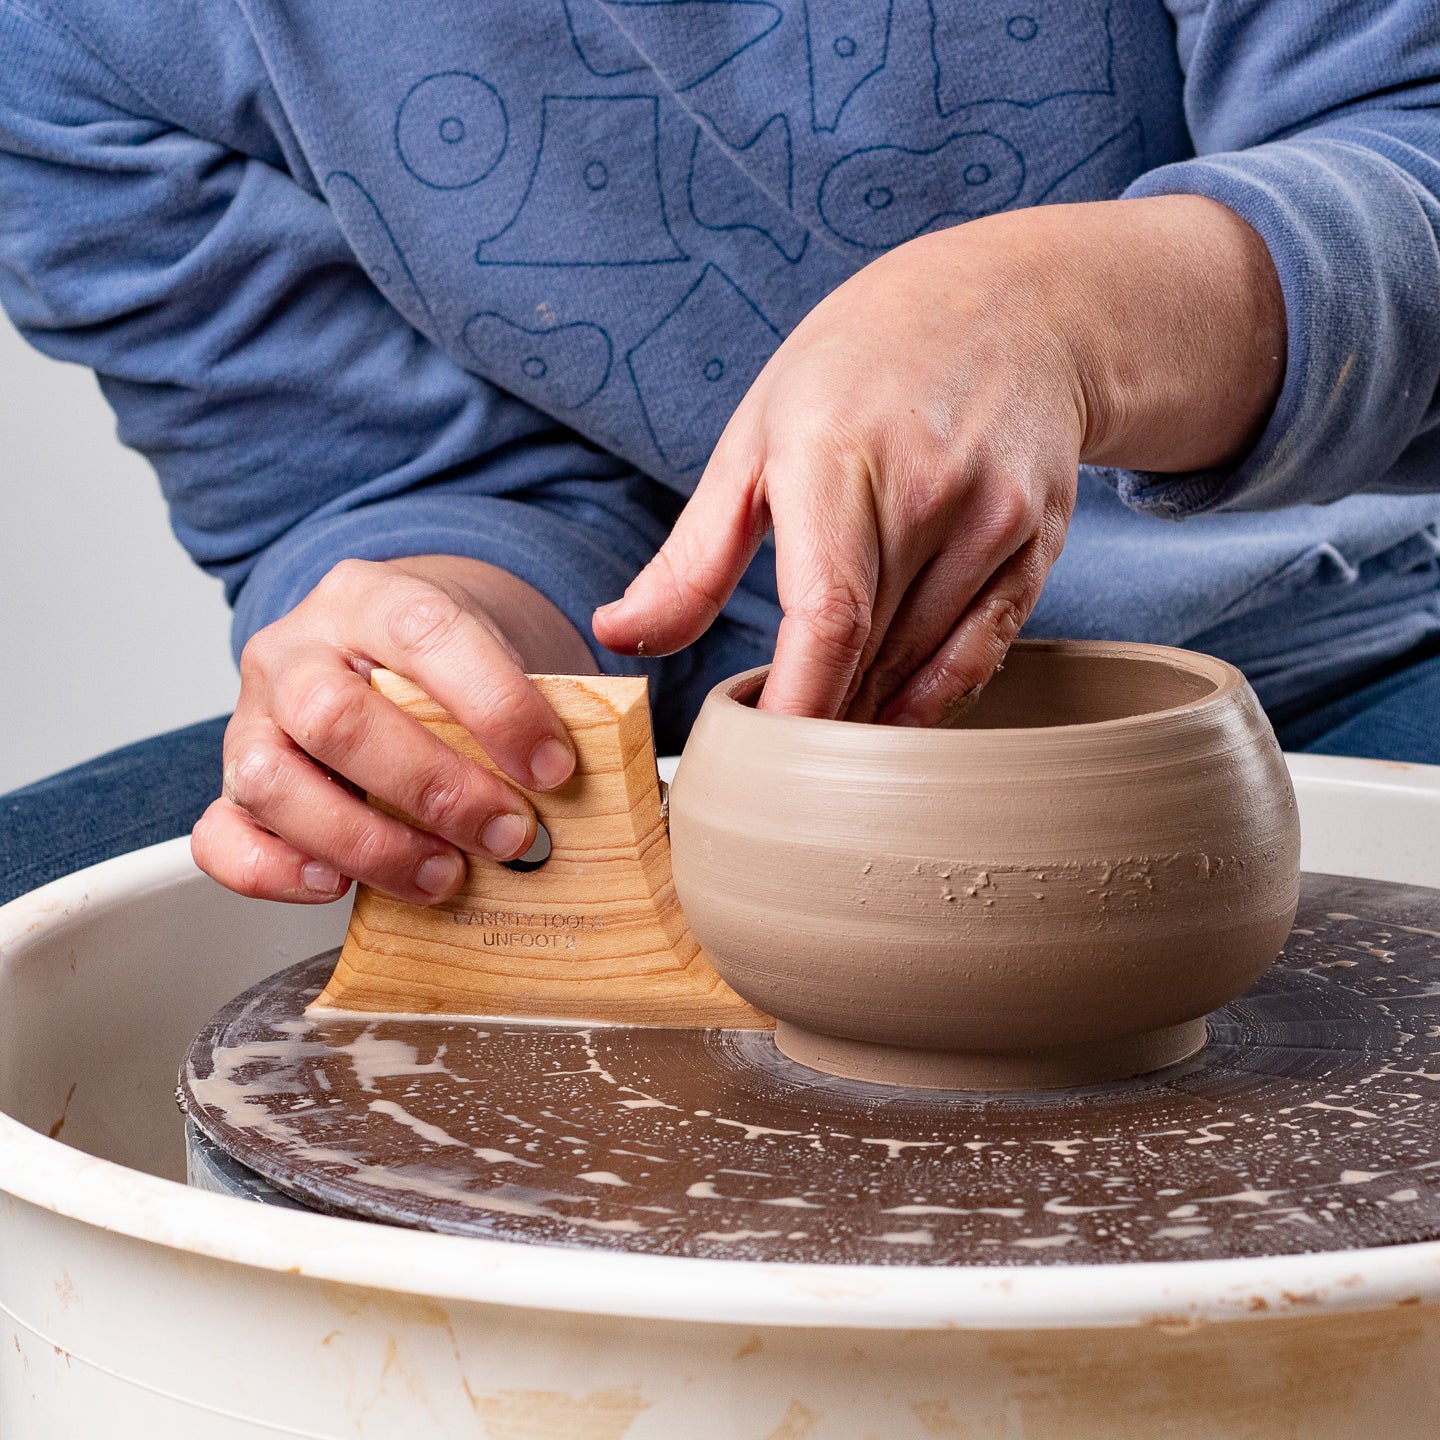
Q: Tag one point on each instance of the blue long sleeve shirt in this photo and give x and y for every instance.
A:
(487, 279)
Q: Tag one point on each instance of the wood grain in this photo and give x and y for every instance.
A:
(596, 933)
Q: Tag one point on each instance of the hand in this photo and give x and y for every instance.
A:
(309, 734)
(915, 442)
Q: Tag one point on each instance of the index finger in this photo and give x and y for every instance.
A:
(676, 597)
(420, 632)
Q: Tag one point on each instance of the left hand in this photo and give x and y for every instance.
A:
(915, 443)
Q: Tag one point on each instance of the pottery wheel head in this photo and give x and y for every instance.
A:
(1310, 1121)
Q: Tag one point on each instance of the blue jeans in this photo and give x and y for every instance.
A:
(157, 789)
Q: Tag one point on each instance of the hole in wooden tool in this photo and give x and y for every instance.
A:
(536, 855)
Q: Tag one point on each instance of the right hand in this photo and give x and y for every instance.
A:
(309, 734)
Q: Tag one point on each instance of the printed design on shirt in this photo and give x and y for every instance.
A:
(451, 130)
(593, 197)
(722, 196)
(602, 49)
(687, 41)
(847, 42)
(694, 367)
(769, 156)
(370, 237)
(1024, 52)
(556, 366)
(1104, 172)
(884, 195)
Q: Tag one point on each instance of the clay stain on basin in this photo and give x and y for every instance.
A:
(1055, 890)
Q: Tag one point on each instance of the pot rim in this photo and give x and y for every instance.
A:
(1228, 681)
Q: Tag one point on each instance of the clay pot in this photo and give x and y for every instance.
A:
(1054, 892)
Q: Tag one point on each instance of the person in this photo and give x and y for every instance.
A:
(863, 334)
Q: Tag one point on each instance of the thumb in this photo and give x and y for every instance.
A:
(676, 597)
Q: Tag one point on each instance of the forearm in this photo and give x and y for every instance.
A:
(1170, 311)
(546, 642)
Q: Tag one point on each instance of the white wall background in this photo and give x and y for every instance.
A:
(107, 632)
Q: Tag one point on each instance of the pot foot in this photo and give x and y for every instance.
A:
(1055, 1068)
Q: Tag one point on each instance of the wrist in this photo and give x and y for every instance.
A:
(527, 620)
(1167, 313)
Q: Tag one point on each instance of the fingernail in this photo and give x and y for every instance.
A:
(551, 763)
(954, 708)
(322, 879)
(504, 836)
(439, 874)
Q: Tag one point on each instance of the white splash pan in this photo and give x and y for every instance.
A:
(131, 1306)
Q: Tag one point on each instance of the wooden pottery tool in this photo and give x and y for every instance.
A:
(592, 932)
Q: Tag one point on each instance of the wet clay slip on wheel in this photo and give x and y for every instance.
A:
(1053, 892)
